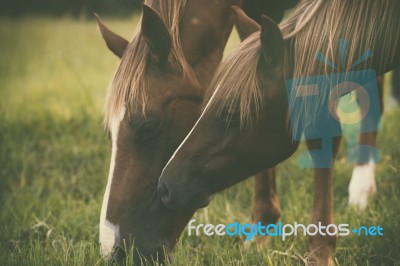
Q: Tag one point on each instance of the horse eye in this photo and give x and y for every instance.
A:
(148, 130)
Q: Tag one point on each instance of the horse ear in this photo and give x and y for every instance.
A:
(114, 42)
(271, 41)
(244, 25)
(156, 35)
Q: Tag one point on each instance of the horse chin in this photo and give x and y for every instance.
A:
(200, 200)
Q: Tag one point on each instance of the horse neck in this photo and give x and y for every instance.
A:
(344, 32)
(377, 63)
(204, 29)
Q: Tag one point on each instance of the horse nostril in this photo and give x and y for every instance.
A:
(163, 192)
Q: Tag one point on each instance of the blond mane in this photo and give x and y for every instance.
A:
(129, 85)
(315, 26)
(238, 73)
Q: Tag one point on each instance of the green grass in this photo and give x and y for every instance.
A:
(54, 158)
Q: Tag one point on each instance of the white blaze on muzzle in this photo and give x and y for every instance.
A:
(109, 232)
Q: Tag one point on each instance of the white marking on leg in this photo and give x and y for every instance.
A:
(392, 102)
(191, 131)
(109, 232)
(362, 185)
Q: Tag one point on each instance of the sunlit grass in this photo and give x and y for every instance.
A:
(54, 158)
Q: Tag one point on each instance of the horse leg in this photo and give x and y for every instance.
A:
(362, 185)
(322, 246)
(266, 208)
(394, 98)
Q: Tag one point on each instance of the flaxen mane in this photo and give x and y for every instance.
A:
(129, 86)
(238, 74)
(315, 26)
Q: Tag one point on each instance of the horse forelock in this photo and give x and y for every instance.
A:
(237, 81)
(129, 86)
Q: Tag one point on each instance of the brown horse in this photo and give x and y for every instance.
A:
(153, 101)
(243, 127)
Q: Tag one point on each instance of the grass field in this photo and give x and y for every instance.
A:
(54, 158)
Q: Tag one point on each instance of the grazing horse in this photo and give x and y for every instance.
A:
(243, 127)
(153, 101)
